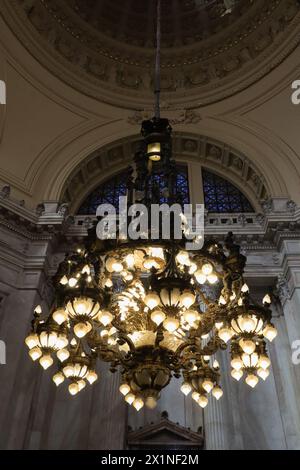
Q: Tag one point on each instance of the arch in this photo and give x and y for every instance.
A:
(212, 154)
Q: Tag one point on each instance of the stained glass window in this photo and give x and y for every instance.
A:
(107, 193)
(110, 191)
(222, 196)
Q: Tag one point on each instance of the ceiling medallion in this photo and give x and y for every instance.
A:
(150, 307)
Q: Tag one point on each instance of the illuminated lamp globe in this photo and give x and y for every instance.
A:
(263, 373)
(237, 374)
(207, 385)
(158, 317)
(152, 300)
(138, 404)
(91, 376)
(81, 329)
(153, 151)
(46, 361)
(236, 363)
(212, 278)
(72, 282)
(60, 316)
(151, 402)
(195, 396)
(203, 401)
(225, 334)
(35, 353)
(63, 354)
(207, 269)
(247, 345)
(187, 299)
(186, 388)
(105, 317)
(251, 380)
(81, 384)
(124, 389)
(58, 378)
(264, 362)
(130, 398)
(191, 316)
(171, 324)
(32, 340)
(217, 392)
(270, 332)
(200, 277)
(73, 388)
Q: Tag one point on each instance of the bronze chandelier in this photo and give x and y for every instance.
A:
(149, 307)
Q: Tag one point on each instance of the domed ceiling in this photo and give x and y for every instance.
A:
(105, 48)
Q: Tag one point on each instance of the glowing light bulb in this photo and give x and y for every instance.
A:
(151, 402)
(236, 363)
(219, 324)
(212, 278)
(263, 373)
(267, 299)
(64, 281)
(105, 317)
(81, 329)
(216, 364)
(171, 324)
(264, 362)
(46, 361)
(35, 353)
(60, 316)
(72, 282)
(158, 317)
(186, 388)
(63, 354)
(130, 398)
(207, 269)
(187, 299)
(124, 389)
(203, 401)
(191, 316)
(117, 267)
(38, 309)
(247, 323)
(217, 392)
(73, 388)
(81, 384)
(32, 340)
(225, 334)
(237, 374)
(251, 380)
(195, 396)
(200, 277)
(152, 300)
(183, 258)
(222, 300)
(245, 288)
(138, 404)
(247, 345)
(270, 332)
(91, 377)
(58, 378)
(207, 385)
(129, 260)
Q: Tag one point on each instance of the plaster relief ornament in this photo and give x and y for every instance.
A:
(148, 306)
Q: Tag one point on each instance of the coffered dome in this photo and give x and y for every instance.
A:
(211, 49)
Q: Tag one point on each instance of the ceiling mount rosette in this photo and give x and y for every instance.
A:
(105, 48)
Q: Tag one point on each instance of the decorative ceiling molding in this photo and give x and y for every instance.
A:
(251, 44)
(210, 153)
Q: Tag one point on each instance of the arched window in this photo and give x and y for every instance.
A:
(110, 190)
(222, 196)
